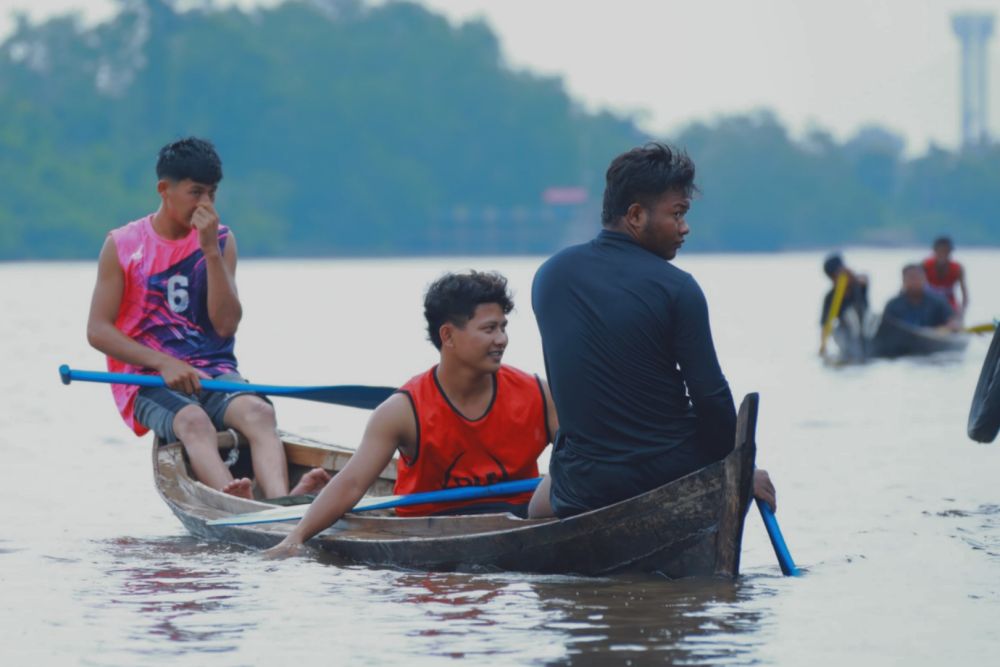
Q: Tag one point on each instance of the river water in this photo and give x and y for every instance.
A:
(893, 513)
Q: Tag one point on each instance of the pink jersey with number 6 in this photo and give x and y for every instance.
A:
(165, 305)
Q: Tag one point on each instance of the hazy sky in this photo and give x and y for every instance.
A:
(838, 64)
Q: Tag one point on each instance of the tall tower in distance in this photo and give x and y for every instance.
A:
(974, 31)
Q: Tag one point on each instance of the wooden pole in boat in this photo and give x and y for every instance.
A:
(987, 327)
(838, 300)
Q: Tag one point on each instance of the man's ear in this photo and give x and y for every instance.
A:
(635, 216)
(446, 332)
(162, 185)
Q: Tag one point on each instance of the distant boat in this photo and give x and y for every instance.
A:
(888, 338)
(895, 339)
(692, 526)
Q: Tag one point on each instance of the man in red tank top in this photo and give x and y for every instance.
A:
(943, 274)
(468, 421)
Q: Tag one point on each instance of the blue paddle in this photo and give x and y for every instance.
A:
(296, 512)
(355, 396)
(777, 541)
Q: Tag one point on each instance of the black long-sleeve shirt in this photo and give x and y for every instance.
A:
(930, 311)
(629, 354)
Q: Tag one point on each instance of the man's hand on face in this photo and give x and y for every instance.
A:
(206, 221)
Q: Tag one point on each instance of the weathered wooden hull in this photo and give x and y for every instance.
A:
(692, 526)
(897, 339)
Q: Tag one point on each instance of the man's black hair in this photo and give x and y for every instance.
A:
(913, 267)
(192, 158)
(454, 297)
(832, 264)
(944, 240)
(643, 175)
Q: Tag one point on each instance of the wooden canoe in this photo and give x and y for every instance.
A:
(897, 339)
(690, 527)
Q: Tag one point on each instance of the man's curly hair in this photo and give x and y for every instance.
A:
(454, 297)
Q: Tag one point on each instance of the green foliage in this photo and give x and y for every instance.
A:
(953, 193)
(349, 129)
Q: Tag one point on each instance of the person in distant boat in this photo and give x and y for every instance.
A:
(165, 303)
(470, 420)
(918, 306)
(943, 273)
(628, 349)
(853, 310)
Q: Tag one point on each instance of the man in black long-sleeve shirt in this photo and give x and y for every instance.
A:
(628, 349)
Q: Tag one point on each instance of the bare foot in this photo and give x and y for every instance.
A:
(311, 482)
(241, 488)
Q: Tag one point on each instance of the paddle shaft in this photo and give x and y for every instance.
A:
(358, 396)
(777, 541)
(296, 512)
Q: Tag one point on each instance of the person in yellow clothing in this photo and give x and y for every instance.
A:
(847, 319)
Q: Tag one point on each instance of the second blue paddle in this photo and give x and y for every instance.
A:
(296, 512)
(777, 541)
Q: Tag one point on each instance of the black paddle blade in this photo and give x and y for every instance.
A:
(354, 396)
(984, 415)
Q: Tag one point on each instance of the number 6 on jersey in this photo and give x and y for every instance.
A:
(177, 294)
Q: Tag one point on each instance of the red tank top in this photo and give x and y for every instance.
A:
(943, 284)
(453, 451)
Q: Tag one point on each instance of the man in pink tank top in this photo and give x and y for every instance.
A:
(166, 303)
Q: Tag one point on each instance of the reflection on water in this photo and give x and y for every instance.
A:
(170, 594)
(179, 597)
(156, 600)
(476, 617)
(630, 620)
(881, 496)
(584, 621)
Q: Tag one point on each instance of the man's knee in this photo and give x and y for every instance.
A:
(250, 412)
(540, 506)
(192, 420)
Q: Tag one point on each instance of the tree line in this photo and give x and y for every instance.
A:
(351, 129)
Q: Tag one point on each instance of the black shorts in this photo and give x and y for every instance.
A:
(580, 484)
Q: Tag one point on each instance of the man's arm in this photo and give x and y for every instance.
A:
(964, 290)
(391, 425)
(224, 309)
(551, 418)
(707, 386)
(103, 335)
